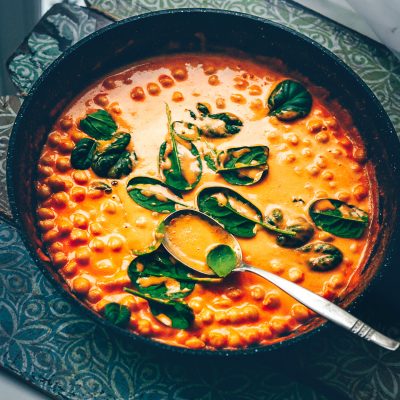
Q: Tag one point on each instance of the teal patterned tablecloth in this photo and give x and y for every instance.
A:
(46, 341)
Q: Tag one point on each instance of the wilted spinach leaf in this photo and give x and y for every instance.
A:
(243, 165)
(228, 208)
(99, 125)
(82, 154)
(338, 218)
(179, 163)
(158, 238)
(172, 313)
(289, 100)
(185, 130)
(117, 314)
(99, 185)
(323, 256)
(222, 260)
(154, 195)
(114, 161)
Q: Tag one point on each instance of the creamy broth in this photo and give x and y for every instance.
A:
(92, 235)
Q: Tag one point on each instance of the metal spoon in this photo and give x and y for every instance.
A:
(318, 304)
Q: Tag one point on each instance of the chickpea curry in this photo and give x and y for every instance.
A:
(261, 150)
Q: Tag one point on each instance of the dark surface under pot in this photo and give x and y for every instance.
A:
(178, 31)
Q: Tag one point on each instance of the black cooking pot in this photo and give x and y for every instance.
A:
(199, 30)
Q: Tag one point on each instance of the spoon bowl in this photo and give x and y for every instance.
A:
(318, 304)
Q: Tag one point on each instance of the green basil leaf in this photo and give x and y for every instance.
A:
(117, 314)
(289, 100)
(154, 195)
(82, 154)
(175, 176)
(99, 125)
(243, 165)
(324, 256)
(217, 125)
(185, 130)
(226, 206)
(179, 314)
(114, 162)
(340, 219)
(222, 260)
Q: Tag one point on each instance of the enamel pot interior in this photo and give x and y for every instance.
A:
(168, 32)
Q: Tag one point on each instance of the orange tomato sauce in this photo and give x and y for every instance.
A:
(89, 235)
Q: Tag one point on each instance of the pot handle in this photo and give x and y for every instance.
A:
(9, 106)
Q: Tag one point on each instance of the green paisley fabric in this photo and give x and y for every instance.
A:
(45, 339)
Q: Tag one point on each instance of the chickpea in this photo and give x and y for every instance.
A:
(360, 192)
(56, 247)
(130, 302)
(78, 194)
(293, 139)
(81, 286)
(251, 313)
(234, 293)
(295, 274)
(144, 327)
(50, 236)
(272, 300)
(257, 293)
(166, 81)
(221, 317)
(360, 155)
(138, 94)
(256, 105)
(343, 196)
(209, 69)
(79, 236)
(66, 146)
(94, 295)
(46, 225)
(76, 136)
(56, 184)
(321, 162)
(80, 177)
(97, 245)
(217, 339)
(238, 98)
(331, 123)
(64, 226)
(234, 316)
(153, 89)
(46, 213)
(241, 84)
(276, 266)
(115, 108)
(180, 74)
(322, 137)
(59, 259)
(312, 170)
(66, 123)
(47, 160)
(327, 175)
(290, 157)
(336, 152)
(314, 125)
(70, 269)
(337, 281)
(194, 343)
(222, 303)
(299, 312)
(279, 325)
(96, 228)
(206, 316)
(82, 255)
(213, 80)
(54, 139)
(251, 335)
(63, 164)
(234, 339)
(101, 99)
(306, 152)
(220, 102)
(196, 304)
(181, 336)
(43, 191)
(354, 248)
(45, 171)
(255, 90)
(109, 83)
(60, 199)
(115, 243)
(325, 237)
(265, 331)
(177, 97)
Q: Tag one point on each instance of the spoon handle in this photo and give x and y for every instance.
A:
(325, 308)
